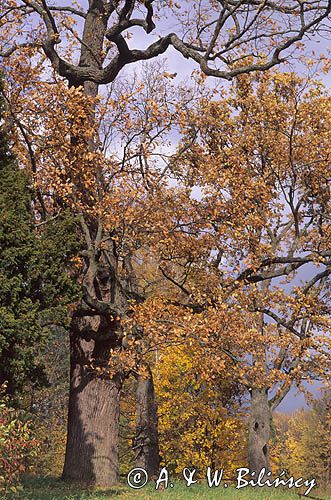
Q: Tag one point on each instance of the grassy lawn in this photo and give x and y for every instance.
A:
(55, 489)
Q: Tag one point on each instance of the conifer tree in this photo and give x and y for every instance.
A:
(34, 285)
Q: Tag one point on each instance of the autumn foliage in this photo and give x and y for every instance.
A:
(178, 234)
(302, 442)
(18, 446)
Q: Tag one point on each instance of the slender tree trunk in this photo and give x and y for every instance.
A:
(147, 442)
(259, 431)
(93, 419)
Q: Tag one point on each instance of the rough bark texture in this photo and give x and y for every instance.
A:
(93, 421)
(146, 442)
(259, 431)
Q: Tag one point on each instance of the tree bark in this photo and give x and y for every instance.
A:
(259, 431)
(93, 418)
(146, 441)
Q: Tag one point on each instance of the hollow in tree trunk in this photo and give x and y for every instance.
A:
(259, 431)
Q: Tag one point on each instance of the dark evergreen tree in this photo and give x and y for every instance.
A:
(34, 285)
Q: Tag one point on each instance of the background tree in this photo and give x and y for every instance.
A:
(35, 288)
(306, 442)
(21, 333)
(262, 213)
(200, 419)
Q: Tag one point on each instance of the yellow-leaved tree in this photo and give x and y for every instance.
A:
(308, 442)
(200, 423)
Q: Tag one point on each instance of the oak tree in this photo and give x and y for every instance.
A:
(248, 249)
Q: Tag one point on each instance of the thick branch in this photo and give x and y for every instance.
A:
(100, 306)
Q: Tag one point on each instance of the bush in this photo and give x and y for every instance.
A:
(17, 445)
(51, 435)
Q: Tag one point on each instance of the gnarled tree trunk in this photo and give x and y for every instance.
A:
(259, 431)
(93, 419)
(147, 441)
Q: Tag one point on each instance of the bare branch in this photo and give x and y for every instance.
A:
(67, 9)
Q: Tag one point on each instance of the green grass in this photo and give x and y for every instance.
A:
(55, 489)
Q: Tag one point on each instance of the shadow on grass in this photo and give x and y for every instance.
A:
(52, 488)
